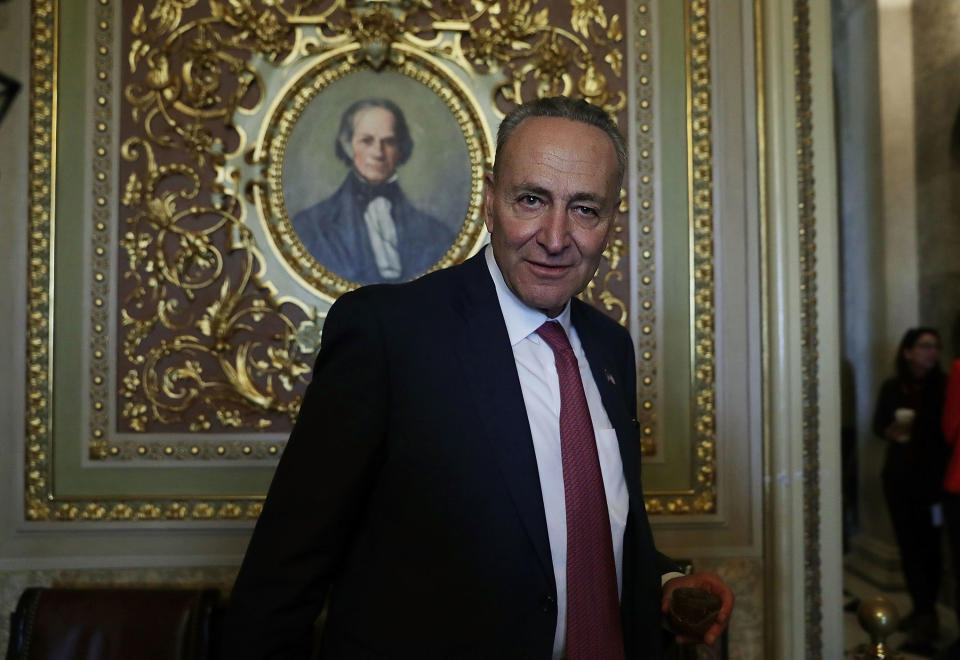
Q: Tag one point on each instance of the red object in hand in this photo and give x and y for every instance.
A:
(693, 611)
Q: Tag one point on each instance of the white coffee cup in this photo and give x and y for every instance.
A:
(904, 416)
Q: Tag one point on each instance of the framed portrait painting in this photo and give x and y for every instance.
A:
(372, 175)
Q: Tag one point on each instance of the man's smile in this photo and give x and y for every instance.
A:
(548, 270)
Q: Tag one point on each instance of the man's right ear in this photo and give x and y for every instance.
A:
(488, 181)
(488, 200)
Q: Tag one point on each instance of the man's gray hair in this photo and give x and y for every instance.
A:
(564, 108)
(343, 149)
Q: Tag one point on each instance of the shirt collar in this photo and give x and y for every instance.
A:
(521, 320)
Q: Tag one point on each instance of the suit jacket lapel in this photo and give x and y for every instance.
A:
(491, 374)
(605, 374)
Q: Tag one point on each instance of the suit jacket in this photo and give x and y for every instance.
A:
(335, 233)
(409, 494)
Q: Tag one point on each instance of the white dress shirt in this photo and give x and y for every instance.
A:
(541, 396)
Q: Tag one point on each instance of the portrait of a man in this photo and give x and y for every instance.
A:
(368, 231)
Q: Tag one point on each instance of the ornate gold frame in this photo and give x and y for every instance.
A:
(806, 198)
(44, 38)
(269, 152)
(380, 37)
(702, 497)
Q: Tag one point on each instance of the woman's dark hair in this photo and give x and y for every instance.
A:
(910, 338)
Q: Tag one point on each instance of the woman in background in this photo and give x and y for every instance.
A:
(908, 416)
(951, 487)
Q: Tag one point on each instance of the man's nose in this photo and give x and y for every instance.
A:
(554, 230)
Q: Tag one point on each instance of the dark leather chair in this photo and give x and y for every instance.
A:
(114, 624)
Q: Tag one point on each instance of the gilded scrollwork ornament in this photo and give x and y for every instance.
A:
(208, 340)
(192, 339)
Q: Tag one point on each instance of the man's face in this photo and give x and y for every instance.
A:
(374, 144)
(550, 209)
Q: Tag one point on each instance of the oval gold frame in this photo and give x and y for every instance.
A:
(272, 148)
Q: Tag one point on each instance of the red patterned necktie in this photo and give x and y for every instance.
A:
(593, 606)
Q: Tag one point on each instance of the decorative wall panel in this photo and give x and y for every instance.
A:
(168, 238)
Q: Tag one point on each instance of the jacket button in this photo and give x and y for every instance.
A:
(549, 604)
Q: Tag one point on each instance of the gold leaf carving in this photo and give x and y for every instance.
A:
(614, 32)
(167, 13)
(137, 50)
(138, 26)
(585, 13)
(615, 59)
(205, 345)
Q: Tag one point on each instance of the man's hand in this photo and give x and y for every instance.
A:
(711, 583)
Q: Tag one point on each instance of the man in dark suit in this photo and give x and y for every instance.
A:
(463, 480)
(368, 231)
